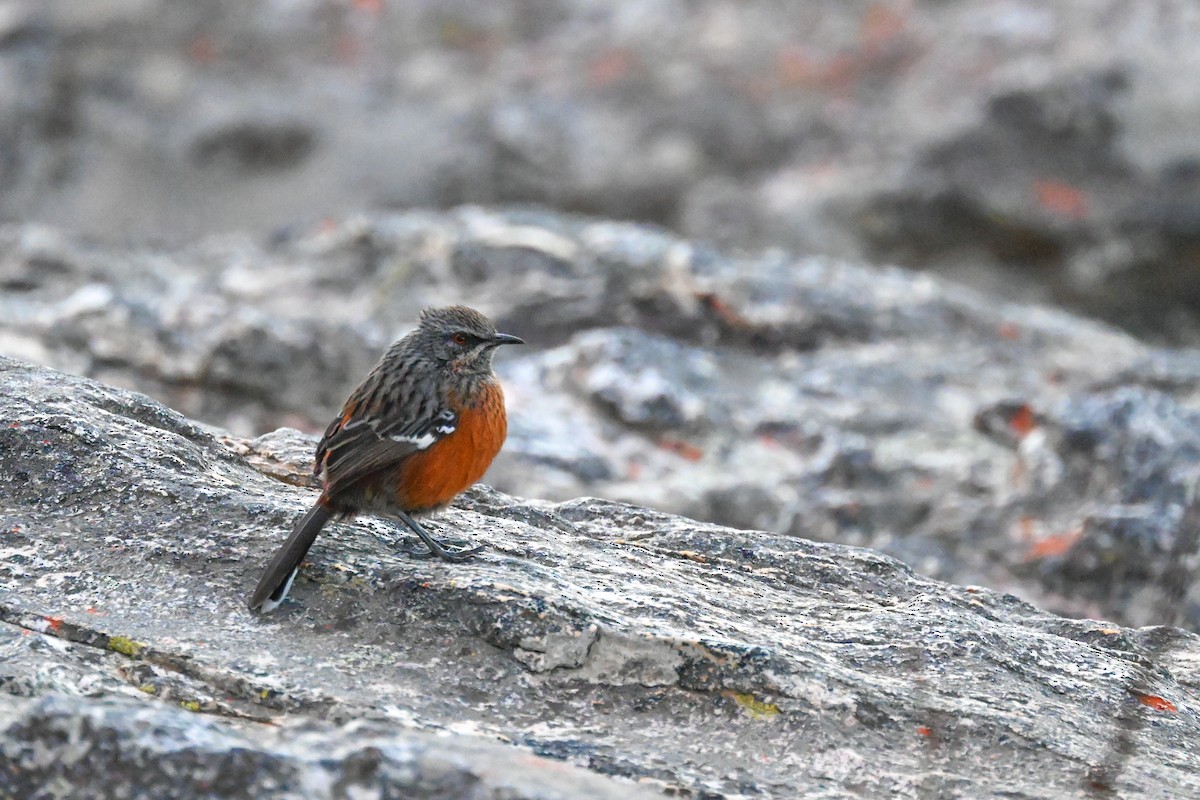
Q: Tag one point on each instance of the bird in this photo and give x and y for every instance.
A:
(423, 426)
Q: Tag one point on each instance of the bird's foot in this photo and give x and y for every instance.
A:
(435, 548)
(445, 554)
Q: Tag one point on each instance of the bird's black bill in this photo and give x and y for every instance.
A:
(507, 338)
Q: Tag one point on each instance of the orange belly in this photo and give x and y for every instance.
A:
(432, 478)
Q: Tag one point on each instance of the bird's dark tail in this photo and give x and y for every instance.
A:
(277, 579)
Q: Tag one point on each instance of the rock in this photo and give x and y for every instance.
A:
(980, 442)
(649, 650)
(157, 750)
(1042, 151)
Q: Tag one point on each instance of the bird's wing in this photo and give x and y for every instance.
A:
(355, 447)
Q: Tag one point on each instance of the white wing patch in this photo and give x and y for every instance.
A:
(420, 442)
(444, 424)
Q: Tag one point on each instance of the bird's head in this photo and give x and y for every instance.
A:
(462, 338)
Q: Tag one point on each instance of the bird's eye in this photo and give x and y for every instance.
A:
(459, 339)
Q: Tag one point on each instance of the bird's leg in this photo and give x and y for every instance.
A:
(435, 547)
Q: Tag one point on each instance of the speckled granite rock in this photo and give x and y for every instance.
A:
(682, 656)
(980, 442)
(64, 745)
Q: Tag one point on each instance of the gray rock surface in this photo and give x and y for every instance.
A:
(657, 653)
(98, 746)
(980, 442)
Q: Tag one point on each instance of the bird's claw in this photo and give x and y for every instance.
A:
(453, 556)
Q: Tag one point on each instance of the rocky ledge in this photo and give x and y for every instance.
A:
(980, 442)
(595, 649)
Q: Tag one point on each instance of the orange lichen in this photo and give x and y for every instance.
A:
(1061, 198)
(1056, 544)
(1023, 421)
(1155, 702)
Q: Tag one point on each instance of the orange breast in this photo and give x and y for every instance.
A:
(432, 478)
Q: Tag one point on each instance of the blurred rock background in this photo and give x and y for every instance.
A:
(233, 206)
(1041, 150)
